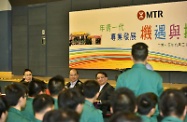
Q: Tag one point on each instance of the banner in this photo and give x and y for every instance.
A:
(102, 38)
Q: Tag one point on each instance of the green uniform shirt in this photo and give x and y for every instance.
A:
(140, 80)
(28, 110)
(90, 113)
(171, 119)
(145, 118)
(36, 120)
(15, 115)
(56, 103)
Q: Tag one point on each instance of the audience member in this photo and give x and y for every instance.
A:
(123, 99)
(105, 91)
(184, 90)
(74, 80)
(71, 99)
(125, 117)
(16, 94)
(139, 79)
(172, 106)
(91, 92)
(35, 87)
(147, 106)
(3, 109)
(42, 104)
(65, 115)
(55, 86)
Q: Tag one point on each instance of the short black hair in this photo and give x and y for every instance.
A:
(70, 98)
(3, 105)
(35, 87)
(184, 90)
(26, 70)
(41, 102)
(172, 101)
(14, 92)
(101, 73)
(61, 115)
(139, 51)
(56, 84)
(123, 99)
(146, 102)
(90, 88)
(125, 117)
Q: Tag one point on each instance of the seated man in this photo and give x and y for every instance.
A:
(123, 99)
(16, 98)
(3, 109)
(147, 106)
(91, 92)
(42, 104)
(105, 92)
(55, 86)
(74, 80)
(65, 115)
(71, 99)
(27, 77)
(172, 106)
(35, 88)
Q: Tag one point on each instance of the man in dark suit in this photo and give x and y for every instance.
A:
(74, 80)
(105, 91)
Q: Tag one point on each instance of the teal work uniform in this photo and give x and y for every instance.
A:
(171, 119)
(145, 118)
(90, 113)
(185, 119)
(140, 80)
(36, 120)
(15, 115)
(28, 110)
(56, 103)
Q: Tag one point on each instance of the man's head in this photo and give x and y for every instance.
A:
(36, 87)
(91, 89)
(41, 104)
(61, 115)
(139, 52)
(73, 75)
(123, 99)
(27, 75)
(125, 117)
(16, 94)
(101, 78)
(56, 85)
(173, 103)
(3, 109)
(72, 99)
(147, 103)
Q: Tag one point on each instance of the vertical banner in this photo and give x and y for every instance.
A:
(102, 38)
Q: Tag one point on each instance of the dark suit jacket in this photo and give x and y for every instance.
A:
(78, 86)
(104, 96)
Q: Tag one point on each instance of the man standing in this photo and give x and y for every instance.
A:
(105, 92)
(74, 80)
(139, 79)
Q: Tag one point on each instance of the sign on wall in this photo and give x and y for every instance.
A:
(102, 39)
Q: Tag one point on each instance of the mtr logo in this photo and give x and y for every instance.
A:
(141, 15)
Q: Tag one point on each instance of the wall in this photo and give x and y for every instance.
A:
(57, 49)
(5, 36)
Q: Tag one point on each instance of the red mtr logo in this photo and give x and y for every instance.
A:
(141, 15)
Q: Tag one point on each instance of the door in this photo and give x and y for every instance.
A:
(37, 39)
